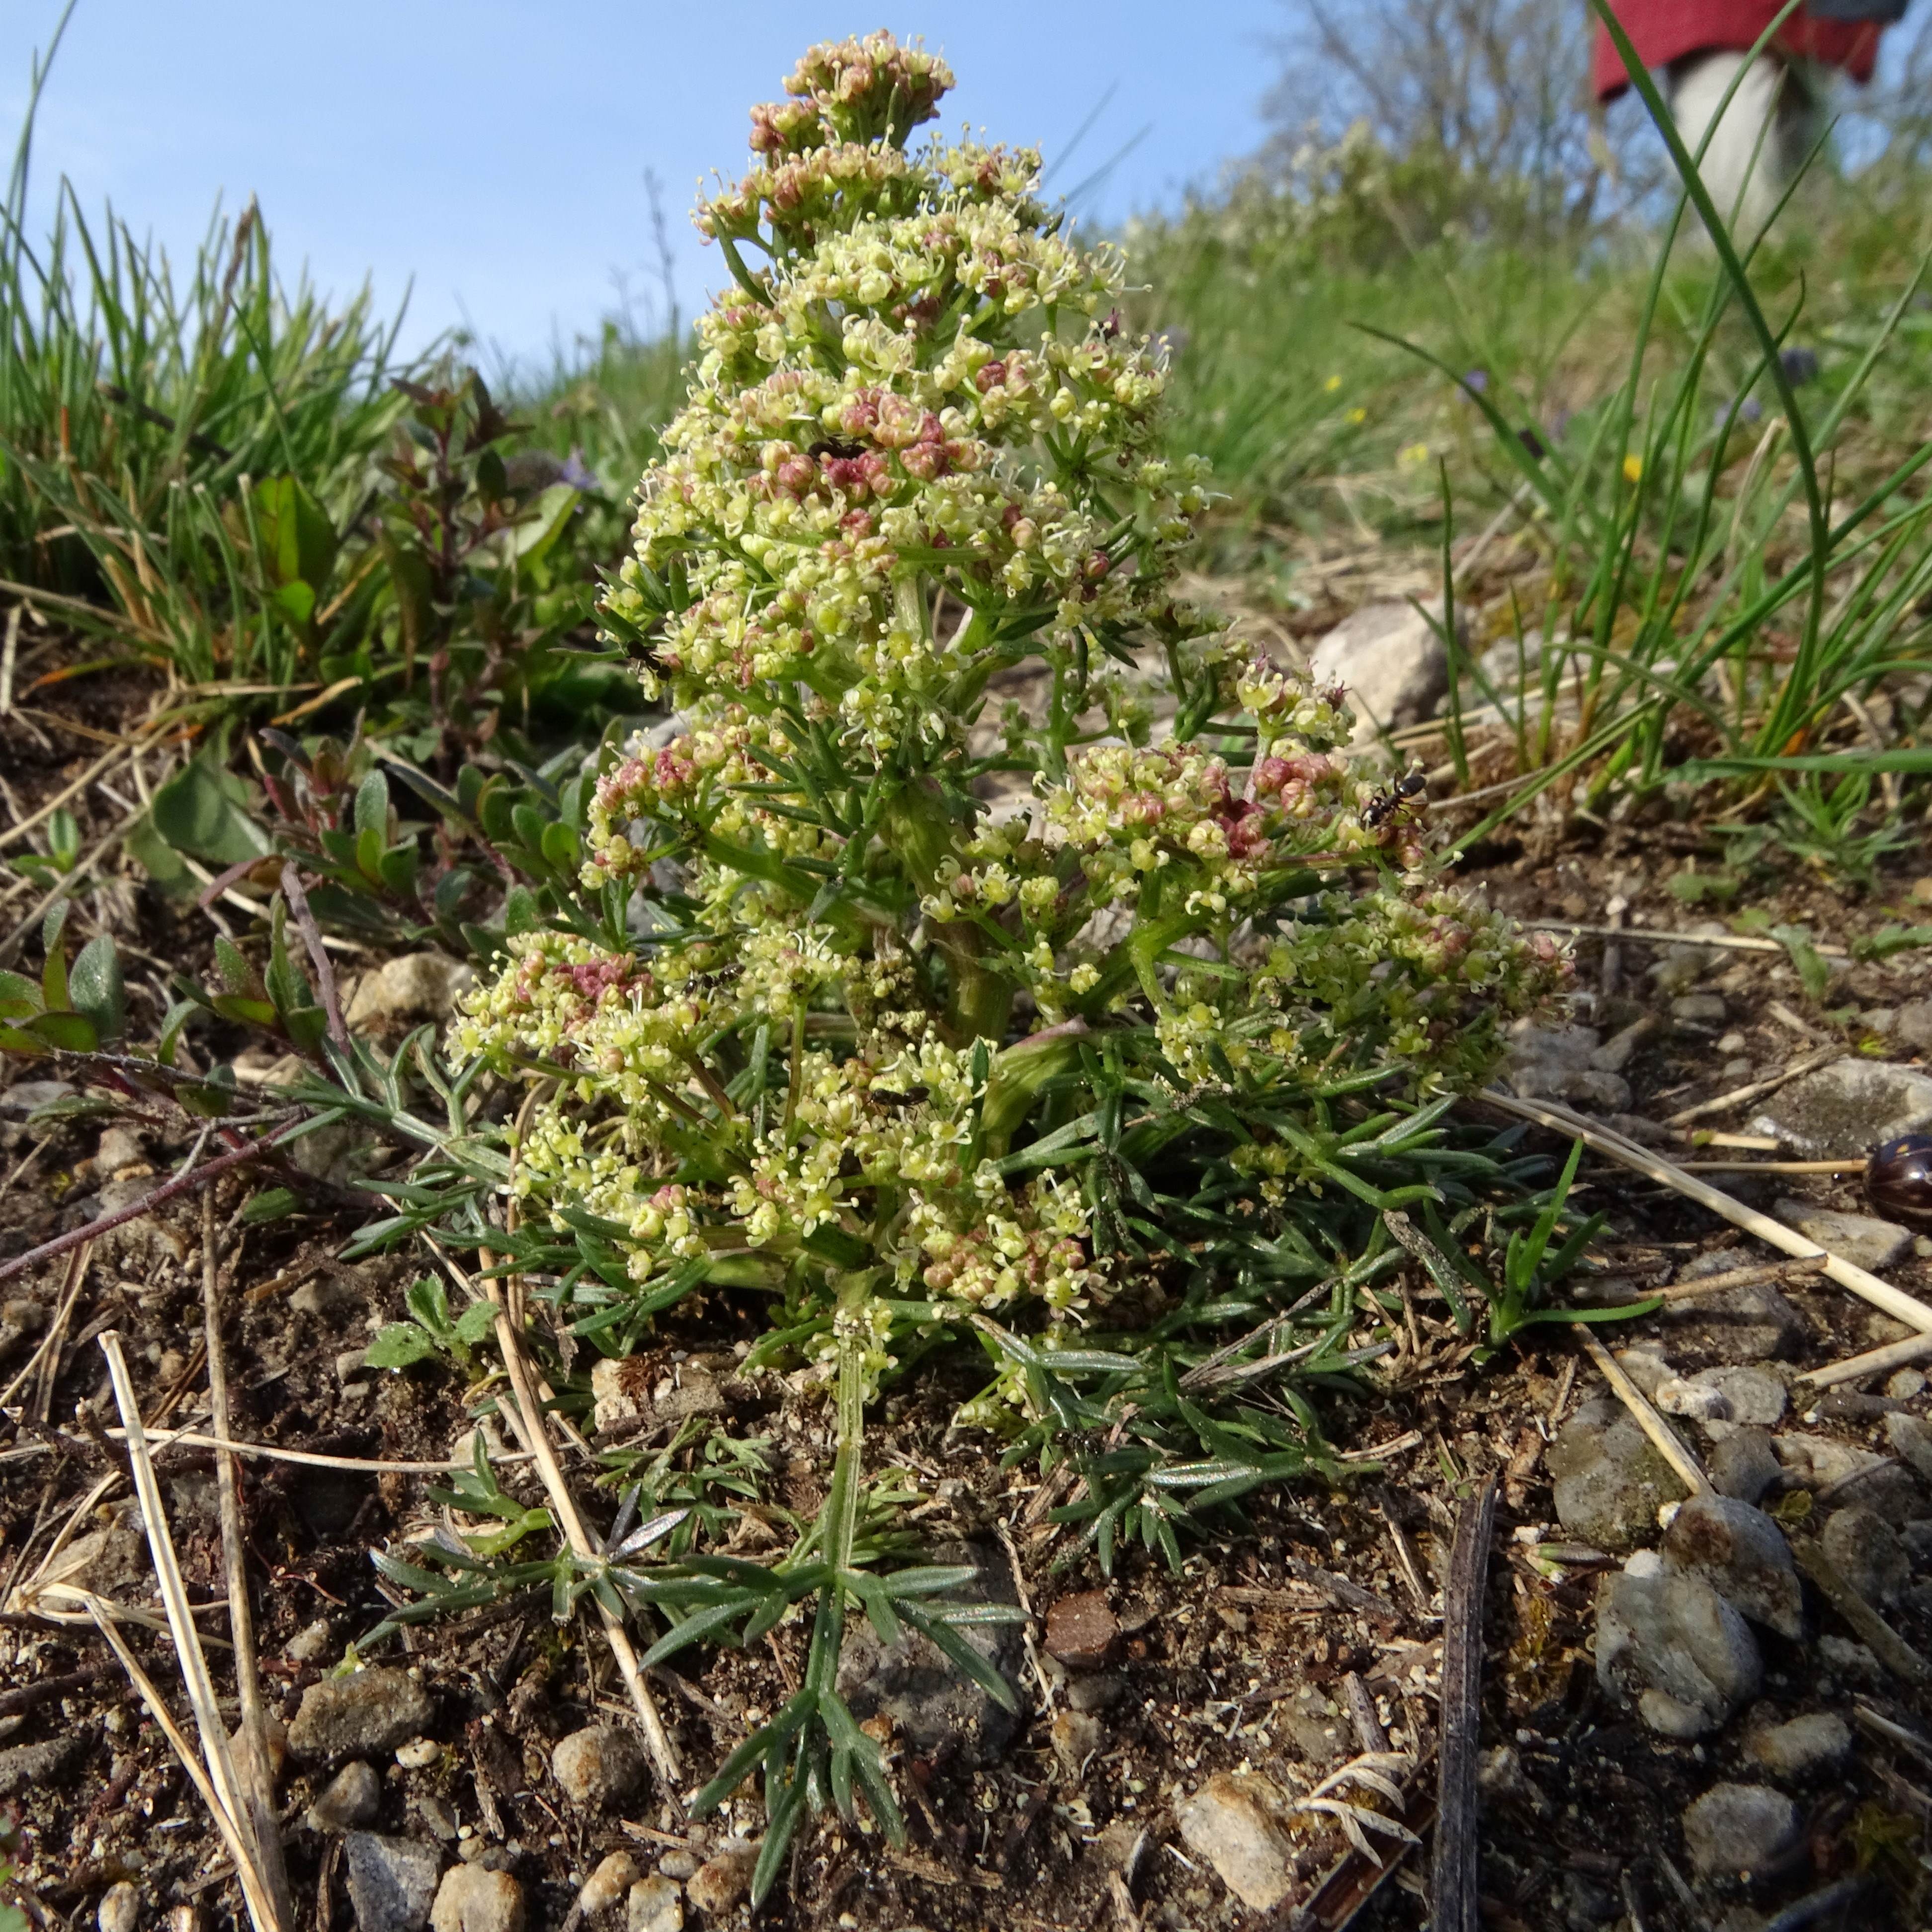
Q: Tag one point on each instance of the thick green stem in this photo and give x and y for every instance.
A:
(927, 838)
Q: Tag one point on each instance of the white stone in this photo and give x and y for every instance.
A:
(1230, 1822)
(1393, 662)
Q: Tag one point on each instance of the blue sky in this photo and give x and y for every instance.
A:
(495, 151)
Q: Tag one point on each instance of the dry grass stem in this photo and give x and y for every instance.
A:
(50, 1342)
(1873, 1362)
(232, 1810)
(1753, 1090)
(258, 1778)
(526, 1417)
(261, 1906)
(1690, 1470)
(1895, 1302)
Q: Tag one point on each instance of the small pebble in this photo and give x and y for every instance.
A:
(367, 1712)
(1905, 1383)
(1868, 1552)
(654, 1906)
(311, 1643)
(721, 1882)
(1080, 1630)
(1231, 1822)
(680, 1865)
(353, 1797)
(613, 1877)
(419, 1754)
(598, 1766)
(1735, 1830)
(1820, 1741)
(120, 1908)
(473, 1898)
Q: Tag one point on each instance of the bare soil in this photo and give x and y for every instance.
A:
(1240, 1662)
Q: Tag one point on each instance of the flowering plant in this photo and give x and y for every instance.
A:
(909, 1018)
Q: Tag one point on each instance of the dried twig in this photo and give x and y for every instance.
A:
(1454, 1884)
(318, 953)
(1668, 1445)
(231, 1812)
(258, 1781)
(50, 1342)
(1755, 1089)
(1885, 1643)
(1873, 1362)
(526, 1417)
(1730, 942)
(1350, 1596)
(261, 1906)
(1758, 1276)
(1897, 1303)
(182, 1183)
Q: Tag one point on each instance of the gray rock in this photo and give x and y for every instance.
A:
(614, 1876)
(1609, 1482)
(1730, 1325)
(1859, 1238)
(23, 1767)
(364, 1715)
(1617, 1052)
(935, 1704)
(24, 1096)
(655, 1904)
(391, 1881)
(1393, 662)
(1695, 1400)
(1681, 967)
(598, 1767)
(1698, 1009)
(353, 1797)
(1316, 1727)
(1743, 1464)
(1868, 1553)
(1231, 1822)
(473, 1898)
(1847, 1109)
(1903, 1383)
(1740, 1830)
(120, 1908)
(1916, 1539)
(1911, 1436)
(437, 1815)
(1817, 1462)
(1820, 1741)
(1644, 1362)
(1912, 1026)
(1841, 1657)
(1743, 1556)
(1095, 1691)
(415, 986)
(1543, 1080)
(1755, 1395)
(1673, 1646)
(718, 1883)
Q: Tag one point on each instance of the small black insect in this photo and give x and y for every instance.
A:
(830, 445)
(1394, 803)
(887, 1098)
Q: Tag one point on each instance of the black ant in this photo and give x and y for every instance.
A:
(1393, 803)
(830, 445)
